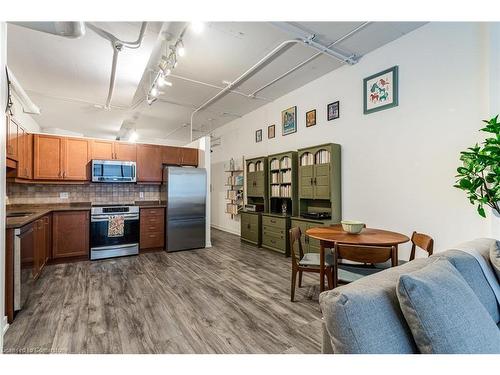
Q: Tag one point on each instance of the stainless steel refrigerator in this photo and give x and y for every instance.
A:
(185, 191)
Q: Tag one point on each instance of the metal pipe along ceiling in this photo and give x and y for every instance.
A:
(117, 45)
(351, 60)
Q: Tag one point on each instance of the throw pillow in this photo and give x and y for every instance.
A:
(443, 312)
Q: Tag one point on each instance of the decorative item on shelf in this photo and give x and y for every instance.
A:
(380, 91)
(231, 164)
(271, 131)
(289, 120)
(479, 176)
(258, 136)
(311, 118)
(333, 111)
(284, 208)
(352, 226)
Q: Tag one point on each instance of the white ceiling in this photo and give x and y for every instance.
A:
(69, 78)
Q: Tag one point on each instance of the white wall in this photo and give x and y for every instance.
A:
(203, 145)
(26, 120)
(398, 165)
(3, 101)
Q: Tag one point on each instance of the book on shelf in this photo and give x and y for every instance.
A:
(286, 162)
(232, 209)
(275, 164)
(286, 176)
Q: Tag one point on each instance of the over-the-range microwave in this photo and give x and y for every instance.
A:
(113, 171)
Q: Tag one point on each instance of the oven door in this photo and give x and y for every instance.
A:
(99, 231)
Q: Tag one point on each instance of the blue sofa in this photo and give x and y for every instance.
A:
(365, 316)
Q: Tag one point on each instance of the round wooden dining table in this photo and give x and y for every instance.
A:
(330, 235)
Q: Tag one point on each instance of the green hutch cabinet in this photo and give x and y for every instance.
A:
(257, 194)
(283, 200)
(319, 189)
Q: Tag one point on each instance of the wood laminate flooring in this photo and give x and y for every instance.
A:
(231, 298)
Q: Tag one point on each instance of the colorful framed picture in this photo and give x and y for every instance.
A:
(380, 91)
(289, 120)
(311, 118)
(333, 111)
(258, 136)
(271, 131)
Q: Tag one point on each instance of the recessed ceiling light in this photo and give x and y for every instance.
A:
(197, 26)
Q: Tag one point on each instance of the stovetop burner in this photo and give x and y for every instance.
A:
(113, 204)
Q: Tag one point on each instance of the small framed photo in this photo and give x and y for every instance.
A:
(289, 120)
(333, 111)
(271, 131)
(258, 135)
(311, 118)
(380, 91)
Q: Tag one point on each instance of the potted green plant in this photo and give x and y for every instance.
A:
(479, 176)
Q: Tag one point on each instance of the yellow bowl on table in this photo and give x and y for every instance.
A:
(352, 226)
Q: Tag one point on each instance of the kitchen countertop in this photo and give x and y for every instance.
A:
(38, 210)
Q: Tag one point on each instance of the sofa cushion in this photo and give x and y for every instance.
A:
(495, 258)
(471, 271)
(444, 313)
(365, 316)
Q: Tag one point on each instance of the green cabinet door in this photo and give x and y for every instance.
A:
(313, 244)
(306, 182)
(322, 181)
(251, 184)
(259, 183)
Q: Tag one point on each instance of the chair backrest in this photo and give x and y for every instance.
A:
(365, 254)
(296, 242)
(423, 241)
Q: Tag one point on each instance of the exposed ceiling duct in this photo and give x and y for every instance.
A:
(117, 45)
(64, 29)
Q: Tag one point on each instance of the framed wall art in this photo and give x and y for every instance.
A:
(311, 118)
(271, 131)
(333, 111)
(258, 135)
(289, 120)
(380, 91)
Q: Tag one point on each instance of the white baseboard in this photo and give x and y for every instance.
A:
(5, 325)
(225, 229)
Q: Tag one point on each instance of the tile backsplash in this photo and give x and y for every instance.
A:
(95, 193)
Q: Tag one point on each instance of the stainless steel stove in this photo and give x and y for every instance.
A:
(102, 245)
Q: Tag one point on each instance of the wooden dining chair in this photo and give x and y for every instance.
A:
(306, 262)
(361, 254)
(423, 241)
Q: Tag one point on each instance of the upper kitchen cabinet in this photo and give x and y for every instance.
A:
(125, 151)
(102, 150)
(12, 138)
(61, 158)
(180, 156)
(149, 163)
(48, 157)
(111, 150)
(76, 159)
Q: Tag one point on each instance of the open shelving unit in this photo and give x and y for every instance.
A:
(283, 183)
(234, 193)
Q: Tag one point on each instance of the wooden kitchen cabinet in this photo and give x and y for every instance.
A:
(125, 151)
(111, 150)
(149, 163)
(40, 247)
(48, 157)
(152, 224)
(182, 156)
(76, 159)
(102, 150)
(12, 140)
(24, 167)
(70, 234)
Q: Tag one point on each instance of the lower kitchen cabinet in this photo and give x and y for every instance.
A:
(251, 227)
(275, 233)
(309, 245)
(41, 246)
(70, 234)
(152, 233)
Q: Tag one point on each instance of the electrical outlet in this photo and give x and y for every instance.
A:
(64, 195)
(141, 194)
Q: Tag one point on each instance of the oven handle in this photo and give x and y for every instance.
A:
(97, 218)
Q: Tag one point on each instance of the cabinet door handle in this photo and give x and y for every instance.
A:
(311, 180)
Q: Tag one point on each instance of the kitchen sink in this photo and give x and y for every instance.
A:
(19, 214)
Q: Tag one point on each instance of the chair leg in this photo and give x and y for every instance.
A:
(329, 275)
(335, 277)
(292, 289)
(300, 279)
